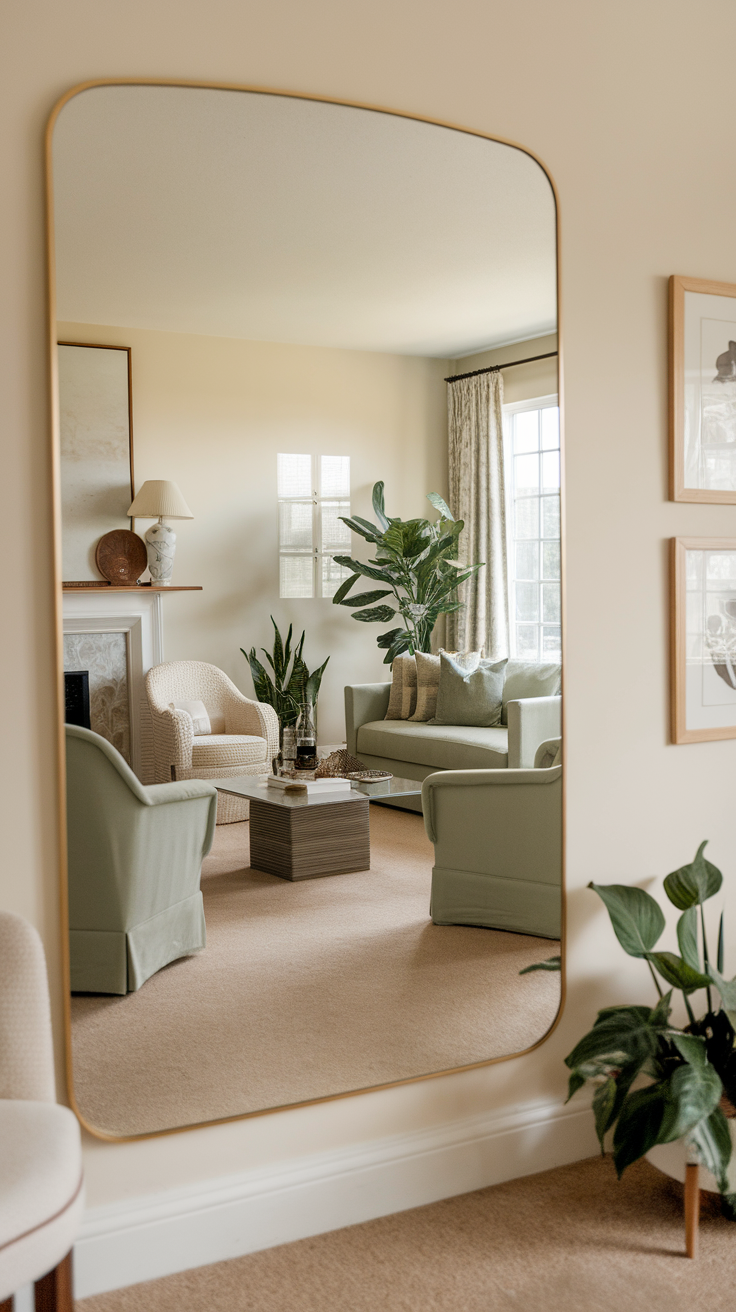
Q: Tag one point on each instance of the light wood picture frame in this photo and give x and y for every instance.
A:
(702, 390)
(703, 639)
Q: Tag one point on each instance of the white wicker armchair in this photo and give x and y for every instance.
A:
(244, 737)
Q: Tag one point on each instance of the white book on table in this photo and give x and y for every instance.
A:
(311, 785)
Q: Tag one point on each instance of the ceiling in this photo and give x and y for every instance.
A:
(246, 215)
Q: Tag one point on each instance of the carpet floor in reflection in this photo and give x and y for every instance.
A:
(306, 990)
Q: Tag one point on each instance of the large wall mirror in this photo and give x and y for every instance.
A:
(330, 333)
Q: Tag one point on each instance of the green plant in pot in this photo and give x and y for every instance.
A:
(289, 687)
(416, 564)
(656, 1082)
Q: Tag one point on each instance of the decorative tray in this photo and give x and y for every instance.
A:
(370, 776)
(121, 556)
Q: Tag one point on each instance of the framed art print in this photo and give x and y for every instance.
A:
(703, 634)
(96, 450)
(702, 390)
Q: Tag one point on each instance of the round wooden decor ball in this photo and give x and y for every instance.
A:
(121, 556)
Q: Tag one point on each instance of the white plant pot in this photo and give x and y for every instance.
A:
(671, 1159)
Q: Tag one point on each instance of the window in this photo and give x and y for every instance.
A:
(313, 492)
(532, 467)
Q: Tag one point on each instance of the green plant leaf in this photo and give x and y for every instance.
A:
(712, 1139)
(575, 1082)
(363, 527)
(368, 571)
(393, 539)
(638, 1126)
(691, 1047)
(661, 1013)
(727, 990)
(691, 1092)
(287, 648)
(312, 686)
(637, 919)
(604, 1101)
(398, 647)
(677, 972)
(417, 537)
(378, 506)
(378, 615)
(619, 1036)
(551, 963)
(437, 501)
(692, 885)
(366, 598)
(277, 664)
(437, 551)
(387, 639)
(344, 588)
(262, 684)
(687, 937)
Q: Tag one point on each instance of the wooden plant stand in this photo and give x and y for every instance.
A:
(692, 1208)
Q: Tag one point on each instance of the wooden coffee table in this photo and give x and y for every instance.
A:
(304, 836)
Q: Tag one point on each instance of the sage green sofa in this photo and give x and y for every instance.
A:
(135, 858)
(415, 750)
(497, 838)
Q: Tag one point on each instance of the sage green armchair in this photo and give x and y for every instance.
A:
(497, 838)
(135, 858)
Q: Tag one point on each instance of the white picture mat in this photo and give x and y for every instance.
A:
(94, 434)
(710, 657)
(710, 406)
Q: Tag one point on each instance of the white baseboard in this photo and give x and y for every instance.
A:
(125, 1243)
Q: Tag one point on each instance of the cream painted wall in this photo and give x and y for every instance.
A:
(626, 104)
(528, 380)
(212, 413)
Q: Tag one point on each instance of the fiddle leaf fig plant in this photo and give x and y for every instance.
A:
(654, 1081)
(416, 563)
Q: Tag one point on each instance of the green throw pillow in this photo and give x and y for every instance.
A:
(529, 679)
(469, 696)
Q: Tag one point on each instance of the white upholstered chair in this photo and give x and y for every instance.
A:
(41, 1191)
(244, 737)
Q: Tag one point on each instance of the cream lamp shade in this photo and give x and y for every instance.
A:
(160, 499)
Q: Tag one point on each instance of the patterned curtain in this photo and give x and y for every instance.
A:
(477, 496)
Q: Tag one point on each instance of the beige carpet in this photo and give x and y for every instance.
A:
(308, 989)
(569, 1240)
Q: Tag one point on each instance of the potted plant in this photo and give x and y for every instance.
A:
(415, 562)
(657, 1082)
(288, 688)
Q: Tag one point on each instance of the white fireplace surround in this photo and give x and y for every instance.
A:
(139, 615)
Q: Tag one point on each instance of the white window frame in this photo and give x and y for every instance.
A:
(550, 401)
(316, 552)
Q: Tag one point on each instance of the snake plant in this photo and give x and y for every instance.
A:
(288, 688)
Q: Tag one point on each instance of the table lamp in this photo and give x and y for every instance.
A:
(160, 499)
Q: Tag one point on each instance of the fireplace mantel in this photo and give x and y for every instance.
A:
(77, 589)
(137, 611)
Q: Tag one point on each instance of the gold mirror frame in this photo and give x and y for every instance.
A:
(58, 603)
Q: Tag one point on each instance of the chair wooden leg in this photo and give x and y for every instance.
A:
(692, 1209)
(54, 1291)
(7, 1304)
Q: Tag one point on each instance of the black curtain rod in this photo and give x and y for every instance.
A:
(496, 368)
